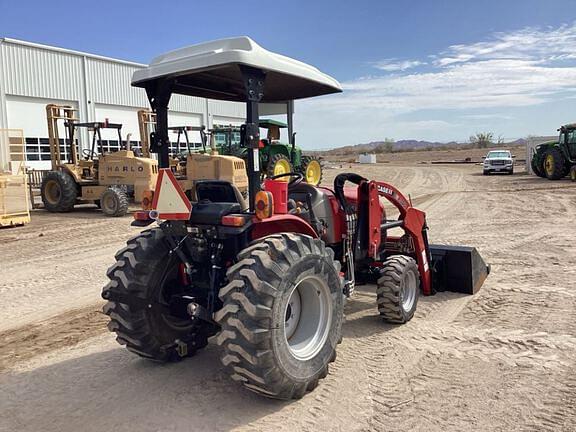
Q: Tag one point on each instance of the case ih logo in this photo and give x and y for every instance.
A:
(385, 190)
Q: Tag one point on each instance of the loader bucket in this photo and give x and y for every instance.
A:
(458, 269)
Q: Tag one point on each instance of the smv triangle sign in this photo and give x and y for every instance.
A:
(170, 202)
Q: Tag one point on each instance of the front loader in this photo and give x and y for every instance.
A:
(266, 279)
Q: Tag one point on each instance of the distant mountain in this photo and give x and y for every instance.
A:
(374, 146)
(380, 146)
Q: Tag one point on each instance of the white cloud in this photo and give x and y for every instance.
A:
(393, 65)
(527, 44)
(516, 69)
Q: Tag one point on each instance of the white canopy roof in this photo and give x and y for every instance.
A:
(212, 70)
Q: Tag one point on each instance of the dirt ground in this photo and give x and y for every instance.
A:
(504, 359)
(428, 156)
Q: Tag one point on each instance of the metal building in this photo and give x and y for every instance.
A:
(33, 75)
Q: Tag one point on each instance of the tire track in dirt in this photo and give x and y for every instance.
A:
(64, 330)
(483, 360)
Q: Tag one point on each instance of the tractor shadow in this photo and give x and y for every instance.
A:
(115, 390)
(363, 319)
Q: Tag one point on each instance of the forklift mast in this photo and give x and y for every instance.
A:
(54, 113)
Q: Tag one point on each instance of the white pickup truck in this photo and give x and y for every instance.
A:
(498, 161)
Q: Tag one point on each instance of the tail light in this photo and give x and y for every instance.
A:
(234, 221)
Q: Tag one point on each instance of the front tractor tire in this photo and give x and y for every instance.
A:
(312, 170)
(114, 202)
(537, 165)
(145, 271)
(398, 289)
(282, 315)
(59, 192)
(278, 164)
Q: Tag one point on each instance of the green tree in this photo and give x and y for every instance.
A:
(386, 147)
(482, 139)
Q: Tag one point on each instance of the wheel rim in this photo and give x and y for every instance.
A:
(167, 286)
(313, 172)
(52, 192)
(408, 291)
(282, 166)
(108, 203)
(308, 317)
(549, 164)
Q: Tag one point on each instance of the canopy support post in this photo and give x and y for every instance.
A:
(254, 86)
(159, 97)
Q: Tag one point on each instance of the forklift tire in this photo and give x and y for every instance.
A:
(143, 269)
(554, 164)
(398, 289)
(114, 202)
(279, 164)
(282, 315)
(312, 170)
(58, 191)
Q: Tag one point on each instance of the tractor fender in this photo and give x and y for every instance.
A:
(281, 223)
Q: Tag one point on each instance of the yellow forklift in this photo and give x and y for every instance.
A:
(108, 179)
(195, 163)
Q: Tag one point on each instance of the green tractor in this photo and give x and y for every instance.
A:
(275, 157)
(556, 159)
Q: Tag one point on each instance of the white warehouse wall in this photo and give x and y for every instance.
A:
(33, 75)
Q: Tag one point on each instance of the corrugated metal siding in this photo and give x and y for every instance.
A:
(227, 109)
(41, 72)
(109, 83)
(29, 71)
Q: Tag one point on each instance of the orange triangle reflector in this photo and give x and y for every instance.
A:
(170, 202)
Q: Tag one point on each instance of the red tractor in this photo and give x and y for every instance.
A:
(267, 279)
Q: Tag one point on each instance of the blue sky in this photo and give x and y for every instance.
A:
(434, 70)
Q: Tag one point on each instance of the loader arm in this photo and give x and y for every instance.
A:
(412, 220)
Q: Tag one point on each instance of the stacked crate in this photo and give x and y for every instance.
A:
(14, 201)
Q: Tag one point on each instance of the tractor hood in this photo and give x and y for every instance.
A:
(211, 70)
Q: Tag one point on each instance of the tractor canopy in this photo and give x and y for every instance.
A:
(268, 123)
(568, 127)
(212, 70)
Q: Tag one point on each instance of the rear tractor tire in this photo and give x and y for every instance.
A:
(282, 315)
(554, 164)
(312, 170)
(114, 202)
(398, 289)
(146, 270)
(59, 192)
(279, 164)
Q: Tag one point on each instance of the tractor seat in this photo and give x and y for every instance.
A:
(219, 191)
(315, 207)
(301, 191)
(215, 199)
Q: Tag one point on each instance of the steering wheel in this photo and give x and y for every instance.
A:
(295, 178)
(89, 154)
